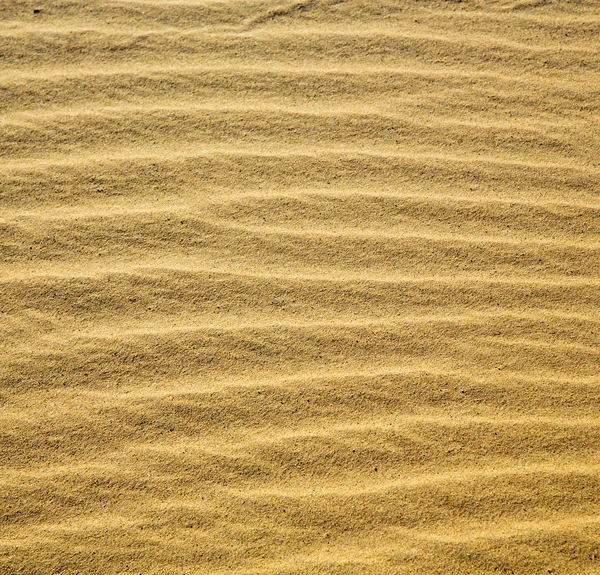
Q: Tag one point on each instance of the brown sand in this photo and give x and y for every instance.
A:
(304, 287)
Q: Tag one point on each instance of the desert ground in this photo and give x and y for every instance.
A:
(299, 287)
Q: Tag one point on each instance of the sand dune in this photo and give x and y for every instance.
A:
(300, 287)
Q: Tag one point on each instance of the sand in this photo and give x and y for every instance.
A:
(299, 287)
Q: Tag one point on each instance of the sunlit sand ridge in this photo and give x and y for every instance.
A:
(300, 287)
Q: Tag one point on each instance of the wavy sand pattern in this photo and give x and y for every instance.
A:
(300, 287)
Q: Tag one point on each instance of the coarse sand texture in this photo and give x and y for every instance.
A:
(299, 287)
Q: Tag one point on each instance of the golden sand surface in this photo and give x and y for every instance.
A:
(302, 287)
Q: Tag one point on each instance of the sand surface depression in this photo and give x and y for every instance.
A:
(299, 287)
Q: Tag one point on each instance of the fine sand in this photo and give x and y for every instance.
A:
(299, 287)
